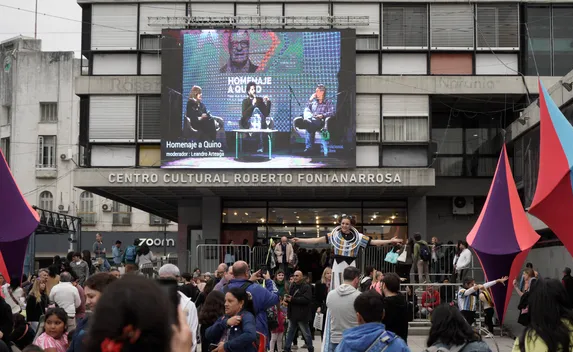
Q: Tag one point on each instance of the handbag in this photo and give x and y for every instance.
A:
(391, 257)
(402, 257)
(318, 318)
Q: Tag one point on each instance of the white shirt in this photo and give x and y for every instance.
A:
(464, 260)
(188, 307)
(18, 294)
(67, 297)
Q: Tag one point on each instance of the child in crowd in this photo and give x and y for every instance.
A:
(54, 338)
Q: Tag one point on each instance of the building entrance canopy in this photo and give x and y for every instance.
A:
(159, 191)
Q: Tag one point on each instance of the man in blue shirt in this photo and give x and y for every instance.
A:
(117, 253)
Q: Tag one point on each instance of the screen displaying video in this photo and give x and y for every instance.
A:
(269, 99)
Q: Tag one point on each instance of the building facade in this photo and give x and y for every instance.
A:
(436, 84)
(39, 127)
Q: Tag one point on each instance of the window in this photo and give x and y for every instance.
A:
(452, 26)
(87, 212)
(46, 152)
(8, 116)
(405, 26)
(367, 43)
(149, 126)
(48, 112)
(497, 26)
(121, 214)
(562, 40)
(405, 129)
(5, 147)
(157, 220)
(150, 42)
(46, 201)
(537, 42)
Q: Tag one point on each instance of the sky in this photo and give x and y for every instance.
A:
(57, 34)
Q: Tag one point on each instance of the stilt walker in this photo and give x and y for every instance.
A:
(346, 242)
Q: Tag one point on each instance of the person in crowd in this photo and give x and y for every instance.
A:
(567, 281)
(145, 260)
(55, 336)
(170, 271)
(468, 295)
(281, 283)
(115, 272)
(366, 282)
(23, 334)
(226, 279)
(451, 332)
(95, 285)
(31, 348)
(6, 321)
(220, 272)
(263, 297)
(99, 250)
(462, 261)
(43, 275)
(131, 269)
(277, 333)
(285, 255)
(377, 282)
(551, 327)
(14, 295)
(80, 267)
(53, 277)
(117, 253)
(299, 302)
(130, 254)
(87, 257)
(528, 278)
(37, 303)
(81, 310)
(370, 334)
(340, 302)
(236, 330)
(447, 292)
(209, 287)
(486, 298)
(26, 284)
(422, 256)
(430, 300)
(412, 299)
(437, 263)
(188, 288)
(403, 268)
(211, 310)
(523, 282)
(395, 305)
(121, 321)
(321, 290)
(67, 297)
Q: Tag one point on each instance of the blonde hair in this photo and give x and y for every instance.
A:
(35, 291)
(323, 278)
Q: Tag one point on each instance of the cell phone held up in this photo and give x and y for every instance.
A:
(170, 287)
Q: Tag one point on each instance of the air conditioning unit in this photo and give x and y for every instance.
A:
(67, 156)
(62, 208)
(463, 205)
(106, 208)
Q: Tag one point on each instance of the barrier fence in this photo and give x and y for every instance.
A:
(209, 256)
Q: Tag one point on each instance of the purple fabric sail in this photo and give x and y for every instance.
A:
(17, 221)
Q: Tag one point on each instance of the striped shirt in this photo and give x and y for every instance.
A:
(468, 298)
(347, 245)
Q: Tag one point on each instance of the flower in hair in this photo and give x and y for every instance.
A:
(109, 345)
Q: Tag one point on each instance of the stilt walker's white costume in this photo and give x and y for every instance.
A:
(345, 248)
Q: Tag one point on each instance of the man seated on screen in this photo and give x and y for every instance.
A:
(239, 43)
(199, 124)
(253, 105)
(315, 115)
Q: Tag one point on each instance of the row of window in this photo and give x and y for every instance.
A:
(88, 210)
(48, 113)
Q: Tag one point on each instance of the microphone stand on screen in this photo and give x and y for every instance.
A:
(291, 95)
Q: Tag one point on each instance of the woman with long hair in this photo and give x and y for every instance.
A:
(37, 303)
(321, 289)
(209, 286)
(528, 278)
(236, 330)
(211, 310)
(451, 331)
(403, 268)
(281, 283)
(14, 294)
(145, 260)
(551, 326)
(346, 243)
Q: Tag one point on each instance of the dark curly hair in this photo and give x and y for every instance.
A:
(450, 327)
(213, 308)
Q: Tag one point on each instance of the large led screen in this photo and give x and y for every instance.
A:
(271, 99)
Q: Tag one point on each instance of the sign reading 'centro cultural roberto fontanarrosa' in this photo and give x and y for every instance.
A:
(244, 178)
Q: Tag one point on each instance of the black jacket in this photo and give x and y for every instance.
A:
(395, 315)
(568, 284)
(320, 293)
(6, 321)
(34, 309)
(299, 306)
(248, 107)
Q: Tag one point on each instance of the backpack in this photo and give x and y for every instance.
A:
(130, 253)
(425, 253)
(386, 337)
(272, 317)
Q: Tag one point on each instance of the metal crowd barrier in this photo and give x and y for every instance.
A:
(209, 256)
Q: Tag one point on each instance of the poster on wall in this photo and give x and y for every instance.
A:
(246, 99)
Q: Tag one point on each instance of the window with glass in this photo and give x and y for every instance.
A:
(87, 211)
(48, 112)
(121, 214)
(46, 152)
(47, 201)
(155, 220)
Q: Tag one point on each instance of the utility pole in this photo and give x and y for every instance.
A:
(164, 237)
(36, 21)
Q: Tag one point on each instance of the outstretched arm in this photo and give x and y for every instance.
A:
(385, 242)
(315, 240)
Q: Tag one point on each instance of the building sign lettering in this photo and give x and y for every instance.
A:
(338, 178)
(465, 83)
(157, 242)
